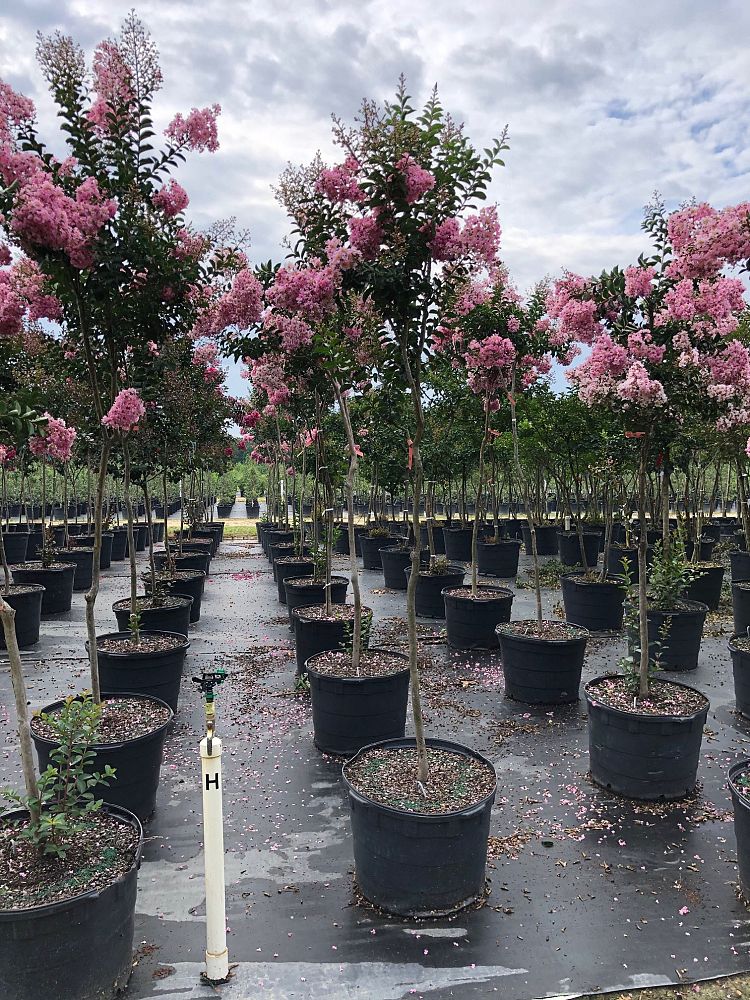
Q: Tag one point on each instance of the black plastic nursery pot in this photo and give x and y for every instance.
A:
(288, 569)
(394, 561)
(16, 544)
(87, 541)
(674, 637)
(471, 623)
(371, 549)
(276, 536)
(569, 548)
(301, 595)
(457, 543)
(706, 549)
(498, 558)
(76, 949)
(119, 544)
(741, 674)
(174, 618)
(540, 670)
(640, 756)
(137, 762)
(741, 607)
(280, 550)
(352, 712)
(187, 583)
(26, 601)
(740, 564)
(546, 539)
(319, 635)
(706, 587)
(154, 673)
(57, 581)
(429, 594)
(741, 806)
(190, 560)
(84, 563)
(594, 605)
(616, 558)
(438, 538)
(419, 865)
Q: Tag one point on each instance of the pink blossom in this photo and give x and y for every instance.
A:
(292, 330)
(198, 131)
(125, 412)
(307, 290)
(365, 235)
(15, 110)
(189, 245)
(446, 243)
(251, 419)
(569, 304)
(706, 239)
(638, 281)
(171, 199)
(7, 454)
(417, 180)
(639, 389)
(56, 441)
(481, 235)
(339, 184)
(5, 255)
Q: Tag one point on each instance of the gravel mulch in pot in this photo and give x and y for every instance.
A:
(121, 719)
(96, 858)
(389, 776)
(548, 630)
(338, 612)
(376, 663)
(664, 698)
(482, 594)
(311, 581)
(20, 588)
(154, 643)
(38, 565)
(148, 603)
(741, 642)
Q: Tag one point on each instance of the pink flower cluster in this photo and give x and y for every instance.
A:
(240, 307)
(126, 411)
(365, 235)
(198, 131)
(56, 442)
(339, 184)
(489, 363)
(292, 330)
(307, 290)
(267, 375)
(251, 419)
(112, 84)
(575, 312)
(7, 454)
(171, 199)
(45, 216)
(479, 238)
(22, 296)
(706, 239)
(713, 307)
(15, 109)
(638, 281)
(417, 180)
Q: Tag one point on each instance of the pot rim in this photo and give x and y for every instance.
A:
(338, 579)
(501, 592)
(46, 909)
(631, 713)
(29, 568)
(740, 765)
(172, 597)
(308, 607)
(584, 635)
(146, 654)
(359, 680)
(110, 696)
(431, 743)
(26, 586)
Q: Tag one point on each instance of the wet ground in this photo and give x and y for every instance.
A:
(586, 892)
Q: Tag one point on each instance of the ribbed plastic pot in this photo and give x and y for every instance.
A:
(741, 673)
(137, 762)
(394, 561)
(77, 949)
(546, 539)
(740, 566)
(352, 712)
(28, 608)
(706, 549)
(289, 570)
(300, 596)
(212, 532)
(499, 558)
(648, 757)
(616, 566)
(279, 550)
(119, 544)
(739, 540)
(595, 606)
(712, 531)
(419, 865)
(156, 674)
(371, 550)
(34, 548)
(16, 544)
(276, 536)
(105, 554)
(438, 538)
(341, 543)
(457, 543)
(706, 587)
(319, 635)
(741, 807)
(57, 582)
(164, 619)
(84, 563)
(191, 587)
(429, 593)
(190, 560)
(741, 607)
(569, 548)
(541, 671)
(471, 624)
(675, 636)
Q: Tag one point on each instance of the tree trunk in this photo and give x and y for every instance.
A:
(134, 616)
(93, 591)
(8, 616)
(642, 584)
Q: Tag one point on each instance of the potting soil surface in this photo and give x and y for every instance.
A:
(586, 892)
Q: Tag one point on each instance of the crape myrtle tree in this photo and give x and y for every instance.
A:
(403, 205)
(663, 348)
(101, 231)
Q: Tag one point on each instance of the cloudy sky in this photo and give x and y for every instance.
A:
(606, 100)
